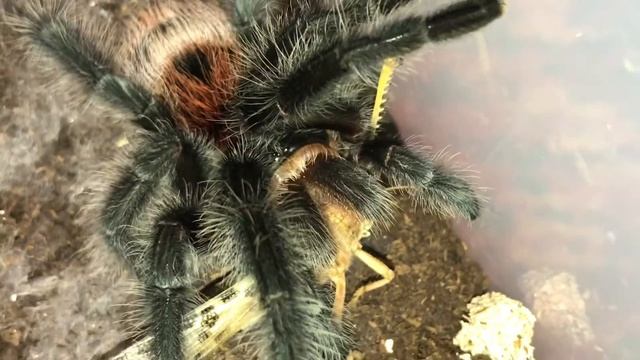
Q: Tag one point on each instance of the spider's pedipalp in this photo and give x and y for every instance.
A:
(431, 186)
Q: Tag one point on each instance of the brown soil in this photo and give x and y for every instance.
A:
(422, 308)
(53, 305)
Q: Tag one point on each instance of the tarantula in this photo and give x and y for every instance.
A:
(254, 116)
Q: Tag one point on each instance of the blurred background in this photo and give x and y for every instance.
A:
(543, 105)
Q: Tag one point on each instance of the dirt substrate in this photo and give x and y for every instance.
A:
(422, 308)
(54, 304)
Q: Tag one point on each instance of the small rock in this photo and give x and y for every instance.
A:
(11, 336)
(498, 327)
(388, 346)
(558, 304)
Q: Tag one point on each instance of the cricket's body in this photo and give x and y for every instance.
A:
(346, 226)
(347, 229)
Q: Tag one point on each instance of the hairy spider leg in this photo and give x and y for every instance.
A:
(367, 45)
(432, 186)
(150, 217)
(78, 53)
(159, 237)
(278, 243)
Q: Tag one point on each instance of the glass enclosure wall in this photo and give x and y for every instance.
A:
(543, 108)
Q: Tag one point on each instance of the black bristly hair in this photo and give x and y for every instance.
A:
(305, 65)
(431, 186)
(197, 192)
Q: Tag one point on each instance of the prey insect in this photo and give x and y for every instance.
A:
(209, 326)
(257, 153)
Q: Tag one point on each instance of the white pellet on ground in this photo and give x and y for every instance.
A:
(388, 346)
(498, 327)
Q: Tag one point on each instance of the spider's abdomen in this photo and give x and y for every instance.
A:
(199, 82)
(187, 54)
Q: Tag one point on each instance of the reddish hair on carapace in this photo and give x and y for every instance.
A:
(198, 84)
(190, 64)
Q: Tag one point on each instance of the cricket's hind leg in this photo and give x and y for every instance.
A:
(377, 265)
